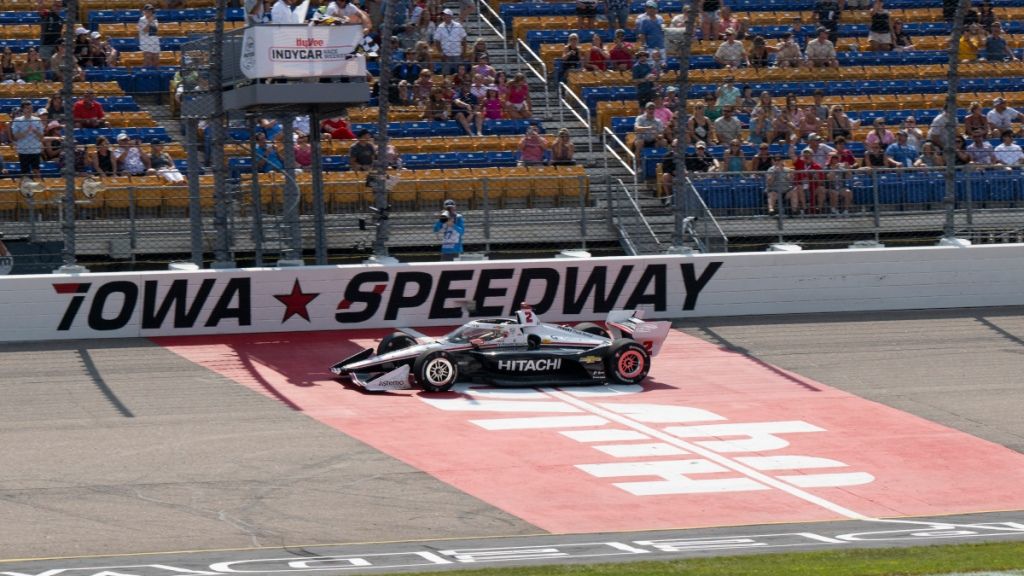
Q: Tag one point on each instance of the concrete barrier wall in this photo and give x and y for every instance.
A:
(339, 297)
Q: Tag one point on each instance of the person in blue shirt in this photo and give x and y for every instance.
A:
(452, 227)
(652, 26)
(901, 152)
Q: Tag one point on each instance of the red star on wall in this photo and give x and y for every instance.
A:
(296, 302)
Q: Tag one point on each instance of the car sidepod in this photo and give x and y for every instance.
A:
(535, 367)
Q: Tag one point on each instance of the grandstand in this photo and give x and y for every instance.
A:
(606, 200)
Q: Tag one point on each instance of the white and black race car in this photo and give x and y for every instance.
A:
(519, 351)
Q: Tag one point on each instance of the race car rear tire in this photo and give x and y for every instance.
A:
(626, 362)
(591, 328)
(394, 341)
(435, 371)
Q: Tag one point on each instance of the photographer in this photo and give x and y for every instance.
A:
(452, 227)
(149, 40)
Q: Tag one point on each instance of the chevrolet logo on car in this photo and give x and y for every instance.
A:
(590, 359)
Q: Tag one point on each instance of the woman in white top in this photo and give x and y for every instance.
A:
(149, 41)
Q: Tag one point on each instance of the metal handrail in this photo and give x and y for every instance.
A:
(563, 89)
(709, 216)
(639, 213)
(502, 33)
(541, 74)
(630, 165)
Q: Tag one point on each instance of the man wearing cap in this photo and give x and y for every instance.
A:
(699, 160)
(787, 53)
(1001, 117)
(728, 127)
(652, 26)
(730, 53)
(450, 39)
(821, 53)
(819, 151)
(644, 76)
(27, 132)
(901, 151)
(363, 153)
(88, 112)
(810, 179)
(649, 130)
(452, 226)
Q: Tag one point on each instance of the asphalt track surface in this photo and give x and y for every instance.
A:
(112, 448)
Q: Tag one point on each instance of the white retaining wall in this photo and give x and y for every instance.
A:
(346, 297)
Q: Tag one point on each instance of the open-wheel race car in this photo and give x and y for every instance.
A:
(519, 351)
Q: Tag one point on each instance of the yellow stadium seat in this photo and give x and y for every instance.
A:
(492, 187)
(518, 187)
(431, 187)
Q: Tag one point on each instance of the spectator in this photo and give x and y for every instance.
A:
(765, 103)
(819, 152)
(492, 106)
(483, 67)
(52, 139)
(837, 185)
(747, 100)
(55, 106)
(57, 66)
(760, 53)
(730, 54)
(727, 19)
(949, 9)
(709, 20)
(303, 151)
(779, 186)
(572, 57)
(820, 108)
(81, 47)
(450, 39)
(644, 78)
(996, 47)
(810, 179)
(27, 133)
(586, 13)
(733, 159)
(363, 153)
(931, 156)
(480, 51)
(914, 135)
(787, 53)
(829, 13)
(810, 124)
(651, 25)
(980, 150)
(901, 152)
(423, 86)
(478, 89)
(937, 129)
(821, 53)
(728, 128)
(649, 130)
(661, 111)
(727, 94)
(1001, 117)
(452, 226)
(838, 123)
(99, 56)
(436, 108)
(8, 70)
(337, 128)
(349, 13)
(986, 17)
(501, 83)
(711, 107)
(787, 123)
(800, 34)
(161, 163)
(102, 159)
(129, 157)
(874, 157)
(668, 171)
(281, 13)
(88, 112)
(50, 22)
(880, 134)
(845, 154)
(880, 29)
(618, 13)
(34, 68)
(971, 42)
(657, 63)
(699, 128)
(149, 38)
(760, 127)
(900, 39)
(700, 160)
(762, 159)
(975, 120)
(1008, 152)
(518, 98)
(597, 58)
(620, 56)
(563, 151)
(533, 147)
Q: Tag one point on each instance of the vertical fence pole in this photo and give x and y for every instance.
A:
(878, 205)
(380, 190)
(68, 65)
(195, 211)
(318, 189)
(222, 248)
(256, 194)
(486, 188)
(293, 243)
(582, 191)
(953, 79)
(680, 191)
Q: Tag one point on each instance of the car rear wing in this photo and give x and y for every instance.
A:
(628, 324)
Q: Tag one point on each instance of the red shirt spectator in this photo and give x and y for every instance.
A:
(337, 128)
(620, 57)
(88, 113)
(810, 177)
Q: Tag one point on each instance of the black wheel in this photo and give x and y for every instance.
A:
(435, 371)
(395, 341)
(591, 328)
(626, 362)
(533, 342)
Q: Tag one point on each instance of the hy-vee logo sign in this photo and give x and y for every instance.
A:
(382, 295)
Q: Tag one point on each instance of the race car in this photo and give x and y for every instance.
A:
(518, 351)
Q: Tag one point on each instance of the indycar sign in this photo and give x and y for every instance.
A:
(435, 294)
(300, 51)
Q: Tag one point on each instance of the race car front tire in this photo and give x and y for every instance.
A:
(435, 371)
(394, 341)
(626, 362)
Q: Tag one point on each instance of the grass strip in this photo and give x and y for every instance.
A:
(923, 560)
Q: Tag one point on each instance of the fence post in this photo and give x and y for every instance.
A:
(293, 250)
(195, 210)
(582, 189)
(133, 212)
(485, 187)
(256, 195)
(318, 189)
(969, 198)
(875, 198)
